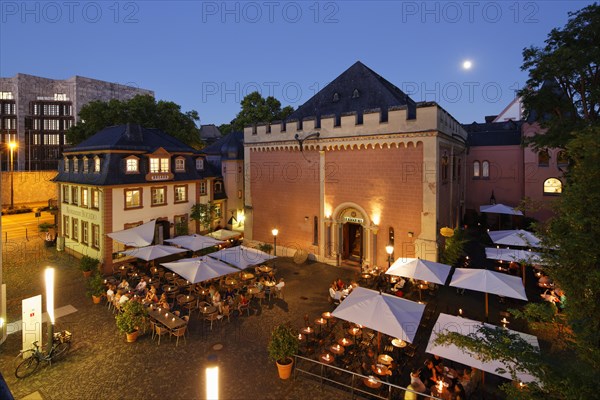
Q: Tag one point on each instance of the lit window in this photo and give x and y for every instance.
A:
(75, 229)
(218, 211)
(65, 194)
(84, 197)
(133, 198)
(85, 165)
(158, 165)
(199, 164)
(84, 232)
(75, 164)
(96, 236)
(75, 195)
(132, 166)
(552, 186)
(66, 226)
(180, 164)
(158, 196)
(485, 169)
(95, 199)
(96, 164)
(180, 194)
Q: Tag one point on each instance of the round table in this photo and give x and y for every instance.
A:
(321, 321)
(169, 288)
(253, 290)
(231, 282)
(208, 309)
(372, 383)
(307, 330)
(246, 276)
(185, 299)
(327, 315)
(336, 349)
(346, 342)
(385, 359)
(355, 331)
(381, 369)
(399, 343)
(264, 268)
(270, 283)
(326, 358)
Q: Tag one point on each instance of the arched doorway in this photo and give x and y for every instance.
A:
(352, 240)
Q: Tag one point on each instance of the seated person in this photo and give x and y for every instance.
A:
(242, 302)
(429, 374)
(140, 288)
(151, 296)
(457, 391)
(163, 302)
(110, 292)
(399, 285)
(340, 284)
(229, 294)
(261, 283)
(124, 285)
(368, 360)
(123, 299)
(416, 382)
(335, 294)
(281, 284)
(438, 363)
(216, 300)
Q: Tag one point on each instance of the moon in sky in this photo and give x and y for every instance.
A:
(467, 64)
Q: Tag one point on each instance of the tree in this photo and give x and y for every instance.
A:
(141, 109)
(256, 109)
(204, 214)
(454, 248)
(563, 89)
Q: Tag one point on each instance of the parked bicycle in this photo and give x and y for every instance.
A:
(31, 358)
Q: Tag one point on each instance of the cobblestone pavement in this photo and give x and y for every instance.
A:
(101, 365)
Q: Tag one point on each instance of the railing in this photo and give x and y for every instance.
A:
(349, 381)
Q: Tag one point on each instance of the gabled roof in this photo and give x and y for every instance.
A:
(357, 89)
(130, 137)
(506, 133)
(230, 147)
(209, 132)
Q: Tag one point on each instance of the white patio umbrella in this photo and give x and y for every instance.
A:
(224, 234)
(517, 237)
(499, 209)
(531, 257)
(241, 256)
(449, 323)
(139, 236)
(423, 270)
(483, 280)
(382, 312)
(200, 269)
(150, 253)
(194, 242)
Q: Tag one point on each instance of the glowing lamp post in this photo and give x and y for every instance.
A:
(49, 278)
(389, 249)
(275, 231)
(12, 146)
(212, 378)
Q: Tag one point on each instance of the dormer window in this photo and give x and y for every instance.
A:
(355, 94)
(200, 164)
(85, 165)
(159, 164)
(96, 164)
(180, 164)
(336, 97)
(132, 165)
(66, 163)
(75, 164)
(218, 187)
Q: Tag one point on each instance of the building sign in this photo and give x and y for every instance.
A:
(81, 213)
(354, 220)
(32, 321)
(159, 177)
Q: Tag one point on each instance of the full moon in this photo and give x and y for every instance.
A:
(467, 64)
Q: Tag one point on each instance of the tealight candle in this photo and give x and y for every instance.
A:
(460, 311)
(166, 314)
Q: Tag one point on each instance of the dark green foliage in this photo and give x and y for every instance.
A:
(255, 110)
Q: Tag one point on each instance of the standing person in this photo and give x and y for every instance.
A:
(429, 374)
(416, 382)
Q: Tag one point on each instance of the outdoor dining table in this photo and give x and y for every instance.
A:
(264, 268)
(372, 382)
(346, 342)
(385, 359)
(354, 331)
(336, 349)
(231, 282)
(185, 299)
(165, 317)
(326, 358)
(169, 288)
(307, 330)
(246, 276)
(381, 369)
(169, 276)
(208, 309)
(327, 315)
(269, 283)
(253, 290)
(399, 343)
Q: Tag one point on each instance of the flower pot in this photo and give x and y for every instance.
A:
(87, 274)
(96, 299)
(132, 337)
(285, 370)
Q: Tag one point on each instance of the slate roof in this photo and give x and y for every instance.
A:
(506, 133)
(124, 138)
(229, 147)
(359, 88)
(210, 133)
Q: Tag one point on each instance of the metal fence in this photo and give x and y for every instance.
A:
(350, 382)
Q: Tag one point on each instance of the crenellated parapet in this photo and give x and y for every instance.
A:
(430, 120)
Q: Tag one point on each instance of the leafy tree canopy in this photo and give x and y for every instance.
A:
(563, 89)
(141, 109)
(255, 110)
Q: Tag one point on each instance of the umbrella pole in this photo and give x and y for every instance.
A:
(486, 308)
(524, 269)
(378, 342)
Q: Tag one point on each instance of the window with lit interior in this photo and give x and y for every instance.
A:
(159, 164)
(133, 198)
(552, 186)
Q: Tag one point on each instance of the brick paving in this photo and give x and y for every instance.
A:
(101, 365)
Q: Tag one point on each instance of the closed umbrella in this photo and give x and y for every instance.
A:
(483, 280)
(392, 315)
(200, 269)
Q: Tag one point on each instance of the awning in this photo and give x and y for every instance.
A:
(140, 236)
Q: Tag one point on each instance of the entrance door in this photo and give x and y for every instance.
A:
(353, 242)
(162, 232)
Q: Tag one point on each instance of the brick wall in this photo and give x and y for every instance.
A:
(29, 187)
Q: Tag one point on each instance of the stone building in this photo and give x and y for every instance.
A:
(357, 167)
(127, 175)
(36, 112)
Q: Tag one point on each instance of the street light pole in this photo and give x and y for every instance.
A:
(12, 146)
(389, 249)
(49, 278)
(275, 231)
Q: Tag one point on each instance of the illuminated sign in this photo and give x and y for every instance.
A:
(354, 220)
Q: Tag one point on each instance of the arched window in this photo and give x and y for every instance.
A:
(336, 97)
(543, 158)
(476, 169)
(552, 186)
(561, 159)
(485, 169)
(445, 161)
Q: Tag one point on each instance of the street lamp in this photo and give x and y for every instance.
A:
(212, 378)
(275, 231)
(389, 249)
(12, 146)
(49, 278)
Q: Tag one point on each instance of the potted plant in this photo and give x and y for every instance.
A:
(96, 287)
(283, 345)
(131, 319)
(86, 264)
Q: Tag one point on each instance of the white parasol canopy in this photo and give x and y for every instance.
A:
(224, 234)
(241, 256)
(483, 280)
(194, 242)
(423, 270)
(518, 237)
(449, 323)
(531, 257)
(149, 253)
(140, 236)
(200, 269)
(499, 209)
(392, 315)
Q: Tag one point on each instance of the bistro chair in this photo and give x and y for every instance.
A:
(179, 332)
(160, 330)
(212, 318)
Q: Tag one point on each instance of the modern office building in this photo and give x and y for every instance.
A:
(36, 112)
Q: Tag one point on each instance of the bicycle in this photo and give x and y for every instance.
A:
(61, 343)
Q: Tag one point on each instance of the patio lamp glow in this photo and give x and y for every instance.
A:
(212, 378)
(389, 249)
(49, 279)
(275, 231)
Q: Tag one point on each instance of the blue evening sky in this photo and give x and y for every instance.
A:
(206, 55)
